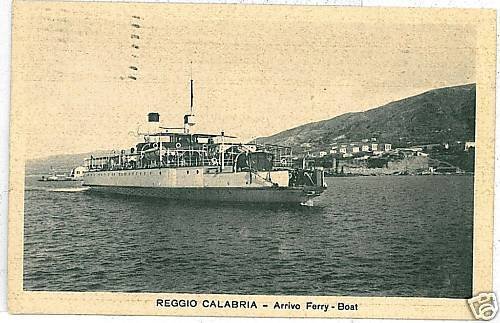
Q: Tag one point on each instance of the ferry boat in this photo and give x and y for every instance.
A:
(176, 163)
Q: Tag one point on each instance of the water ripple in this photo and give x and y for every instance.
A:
(371, 236)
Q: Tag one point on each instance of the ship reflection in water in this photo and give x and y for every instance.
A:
(370, 236)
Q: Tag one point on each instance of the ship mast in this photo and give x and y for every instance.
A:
(189, 120)
(192, 93)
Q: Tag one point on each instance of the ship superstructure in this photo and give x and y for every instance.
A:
(178, 163)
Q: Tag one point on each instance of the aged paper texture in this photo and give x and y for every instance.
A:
(250, 160)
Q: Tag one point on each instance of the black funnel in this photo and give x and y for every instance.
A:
(153, 117)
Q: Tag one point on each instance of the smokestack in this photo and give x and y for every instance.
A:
(153, 117)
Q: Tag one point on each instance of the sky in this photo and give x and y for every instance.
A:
(257, 70)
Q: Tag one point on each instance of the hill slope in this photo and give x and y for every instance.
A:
(440, 115)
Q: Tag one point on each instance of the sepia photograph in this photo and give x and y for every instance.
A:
(228, 158)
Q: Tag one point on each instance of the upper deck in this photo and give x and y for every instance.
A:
(173, 150)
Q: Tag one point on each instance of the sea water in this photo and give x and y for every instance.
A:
(366, 236)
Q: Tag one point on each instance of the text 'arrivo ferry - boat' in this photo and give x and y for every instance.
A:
(175, 163)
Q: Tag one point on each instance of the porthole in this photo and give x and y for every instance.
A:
(197, 171)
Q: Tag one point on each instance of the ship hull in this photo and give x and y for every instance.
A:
(201, 184)
(239, 195)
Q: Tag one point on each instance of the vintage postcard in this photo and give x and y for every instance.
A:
(251, 160)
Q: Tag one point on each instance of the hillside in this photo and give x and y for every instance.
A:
(436, 116)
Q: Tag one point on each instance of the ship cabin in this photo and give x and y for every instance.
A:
(216, 153)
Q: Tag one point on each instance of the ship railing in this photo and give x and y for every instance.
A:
(282, 155)
(282, 158)
(169, 158)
